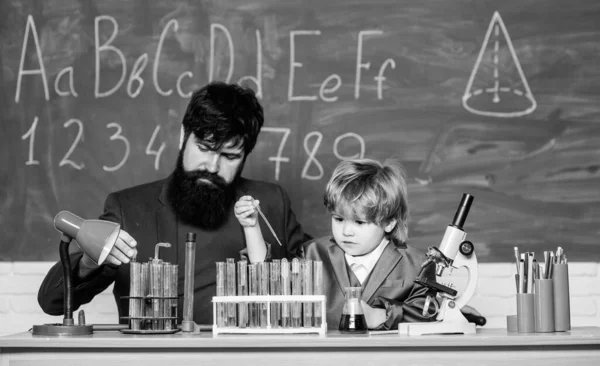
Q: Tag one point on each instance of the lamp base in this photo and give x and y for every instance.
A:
(60, 329)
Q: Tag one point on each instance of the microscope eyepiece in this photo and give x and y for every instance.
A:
(463, 210)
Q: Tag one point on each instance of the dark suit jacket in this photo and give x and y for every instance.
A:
(389, 286)
(143, 211)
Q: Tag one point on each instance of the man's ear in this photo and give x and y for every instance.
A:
(390, 226)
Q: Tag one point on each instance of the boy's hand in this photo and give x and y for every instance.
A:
(374, 316)
(245, 211)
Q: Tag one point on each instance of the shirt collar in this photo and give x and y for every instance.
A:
(368, 260)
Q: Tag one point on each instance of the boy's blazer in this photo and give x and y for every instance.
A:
(389, 286)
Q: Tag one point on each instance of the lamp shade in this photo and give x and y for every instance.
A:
(95, 237)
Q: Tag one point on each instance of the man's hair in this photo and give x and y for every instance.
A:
(220, 112)
(369, 190)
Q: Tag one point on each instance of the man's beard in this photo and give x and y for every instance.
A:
(198, 202)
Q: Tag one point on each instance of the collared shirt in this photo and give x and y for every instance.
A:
(364, 264)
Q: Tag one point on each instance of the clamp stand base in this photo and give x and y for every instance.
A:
(60, 329)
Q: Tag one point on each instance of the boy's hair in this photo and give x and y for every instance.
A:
(220, 112)
(371, 191)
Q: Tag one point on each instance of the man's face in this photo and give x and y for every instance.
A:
(201, 156)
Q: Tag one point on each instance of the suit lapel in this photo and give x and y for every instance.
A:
(388, 260)
(336, 255)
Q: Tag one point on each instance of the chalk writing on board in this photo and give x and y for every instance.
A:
(157, 153)
(66, 159)
(513, 100)
(104, 47)
(30, 134)
(156, 149)
(278, 159)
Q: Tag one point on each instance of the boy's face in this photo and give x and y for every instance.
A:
(357, 237)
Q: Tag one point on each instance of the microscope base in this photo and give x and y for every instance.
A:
(415, 329)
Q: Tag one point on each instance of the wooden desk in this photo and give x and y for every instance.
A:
(581, 346)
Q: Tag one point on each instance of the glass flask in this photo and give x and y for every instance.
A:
(353, 318)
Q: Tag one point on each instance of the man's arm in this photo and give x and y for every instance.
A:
(89, 279)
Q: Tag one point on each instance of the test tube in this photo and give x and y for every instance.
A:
(253, 318)
(174, 295)
(135, 294)
(146, 291)
(296, 290)
(156, 283)
(230, 291)
(318, 290)
(166, 302)
(275, 286)
(242, 284)
(307, 289)
(221, 275)
(263, 289)
(187, 324)
(285, 290)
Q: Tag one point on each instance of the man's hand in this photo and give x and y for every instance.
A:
(122, 252)
(245, 211)
(374, 316)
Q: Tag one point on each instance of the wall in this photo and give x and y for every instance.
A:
(19, 282)
(495, 98)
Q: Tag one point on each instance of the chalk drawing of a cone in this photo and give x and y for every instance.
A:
(497, 86)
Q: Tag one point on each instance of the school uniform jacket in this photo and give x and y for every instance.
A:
(144, 212)
(389, 285)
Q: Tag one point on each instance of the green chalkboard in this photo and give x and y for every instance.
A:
(500, 99)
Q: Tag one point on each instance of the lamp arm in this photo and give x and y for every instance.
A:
(68, 285)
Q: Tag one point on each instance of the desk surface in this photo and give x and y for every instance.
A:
(486, 338)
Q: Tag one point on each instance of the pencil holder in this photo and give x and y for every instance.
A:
(544, 306)
(562, 306)
(511, 323)
(525, 313)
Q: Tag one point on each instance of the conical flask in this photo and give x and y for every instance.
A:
(353, 318)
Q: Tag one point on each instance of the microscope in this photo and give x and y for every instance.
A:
(454, 252)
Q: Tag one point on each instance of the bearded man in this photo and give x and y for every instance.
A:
(221, 125)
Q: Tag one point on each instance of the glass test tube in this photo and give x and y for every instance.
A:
(170, 310)
(157, 285)
(135, 294)
(187, 323)
(146, 291)
(221, 275)
(230, 291)
(166, 303)
(285, 290)
(253, 318)
(307, 289)
(263, 289)
(275, 286)
(318, 290)
(242, 284)
(296, 290)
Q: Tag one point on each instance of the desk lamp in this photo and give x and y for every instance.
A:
(96, 238)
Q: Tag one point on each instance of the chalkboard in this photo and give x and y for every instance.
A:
(500, 99)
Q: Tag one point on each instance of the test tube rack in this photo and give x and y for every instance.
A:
(152, 296)
(270, 299)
